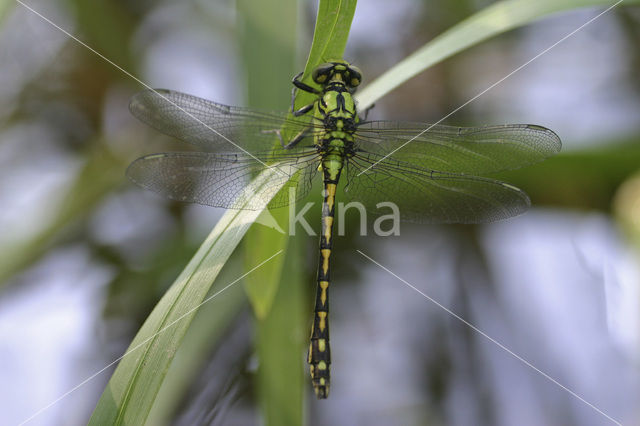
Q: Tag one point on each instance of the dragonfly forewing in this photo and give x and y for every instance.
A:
(472, 150)
(223, 180)
(216, 127)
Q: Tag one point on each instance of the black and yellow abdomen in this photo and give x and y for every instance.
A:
(319, 349)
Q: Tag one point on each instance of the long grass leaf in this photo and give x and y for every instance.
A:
(132, 390)
(491, 21)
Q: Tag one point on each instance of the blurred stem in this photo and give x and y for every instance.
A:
(101, 174)
(5, 7)
(109, 26)
(278, 295)
(279, 343)
(268, 46)
(209, 326)
(586, 179)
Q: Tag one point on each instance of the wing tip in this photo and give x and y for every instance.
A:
(555, 143)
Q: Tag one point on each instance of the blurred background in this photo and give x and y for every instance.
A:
(85, 255)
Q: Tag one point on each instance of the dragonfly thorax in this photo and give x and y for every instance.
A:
(343, 124)
(337, 145)
(336, 109)
(338, 102)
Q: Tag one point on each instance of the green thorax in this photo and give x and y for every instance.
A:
(336, 109)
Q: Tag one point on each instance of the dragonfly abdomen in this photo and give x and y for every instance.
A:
(319, 349)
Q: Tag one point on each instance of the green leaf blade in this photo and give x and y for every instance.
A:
(131, 392)
(329, 40)
(491, 21)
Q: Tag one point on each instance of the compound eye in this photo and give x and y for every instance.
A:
(355, 76)
(322, 73)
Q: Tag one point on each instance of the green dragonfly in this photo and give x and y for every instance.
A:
(430, 172)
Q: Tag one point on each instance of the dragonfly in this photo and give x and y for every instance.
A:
(432, 173)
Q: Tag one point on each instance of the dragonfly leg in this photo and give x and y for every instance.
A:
(293, 142)
(279, 134)
(297, 84)
(302, 86)
(366, 111)
(294, 90)
(305, 109)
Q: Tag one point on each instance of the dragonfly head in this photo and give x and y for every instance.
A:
(342, 71)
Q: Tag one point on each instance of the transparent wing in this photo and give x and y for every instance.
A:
(426, 196)
(223, 180)
(216, 127)
(472, 150)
